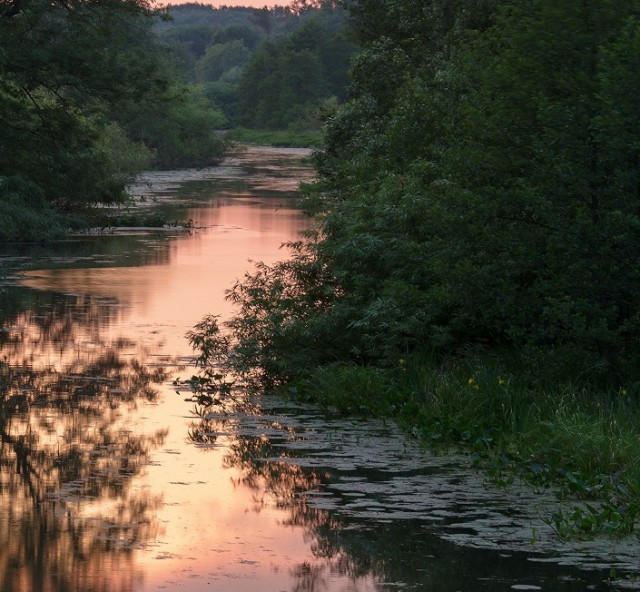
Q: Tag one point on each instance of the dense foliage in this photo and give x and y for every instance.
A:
(93, 92)
(87, 98)
(478, 189)
(268, 69)
(488, 194)
(474, 268)
(287, 79)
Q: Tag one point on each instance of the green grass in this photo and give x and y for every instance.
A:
(283, 138)
(134, 220)
(517, 417)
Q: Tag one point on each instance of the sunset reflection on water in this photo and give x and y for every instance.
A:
(112, 481)
(101, 489)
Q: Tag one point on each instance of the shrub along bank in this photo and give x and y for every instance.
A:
(476, 216)
(89, 97)
(515, 418)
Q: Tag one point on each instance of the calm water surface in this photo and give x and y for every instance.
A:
(109, 482)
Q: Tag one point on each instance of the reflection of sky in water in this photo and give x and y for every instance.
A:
(102, 489)
(185, 278)
(95, 441)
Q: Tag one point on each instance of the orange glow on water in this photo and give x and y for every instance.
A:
(178, 292)
(155, 511)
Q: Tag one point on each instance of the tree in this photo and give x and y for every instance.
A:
(287, 79)
(63, 65)
(180, 127)
(251, 37)
(69, 70)
(538, 159)
(193, 38)
(479, 188)
(220, 58)
(484, 187)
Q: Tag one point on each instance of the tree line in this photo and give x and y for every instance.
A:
(269, 68)
(88, 97)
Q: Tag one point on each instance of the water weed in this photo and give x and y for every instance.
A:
(607, 518)
(580, 441)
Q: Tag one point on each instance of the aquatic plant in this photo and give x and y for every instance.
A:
(531, 426)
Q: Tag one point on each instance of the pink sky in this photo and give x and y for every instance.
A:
(217, 3)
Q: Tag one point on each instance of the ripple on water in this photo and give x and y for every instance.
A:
(377, 474)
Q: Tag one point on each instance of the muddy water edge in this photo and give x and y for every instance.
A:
(110, 482)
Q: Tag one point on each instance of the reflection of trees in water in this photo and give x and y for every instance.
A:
(56, 325)
(286, 483)
(69, 519)
(105, 250)
(277, 479)
(405, 552)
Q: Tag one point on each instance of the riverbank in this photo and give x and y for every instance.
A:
(517, 419)
(278, 138)
(282, 495)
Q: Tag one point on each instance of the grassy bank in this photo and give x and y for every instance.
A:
(517, 419)
(283, 138)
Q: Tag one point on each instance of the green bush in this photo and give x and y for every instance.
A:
(25, 214)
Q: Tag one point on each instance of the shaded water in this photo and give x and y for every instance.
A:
(109, 483)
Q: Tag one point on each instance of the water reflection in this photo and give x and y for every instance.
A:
(69, 519)
(284, 484)
(98, 490)
(376, 512)
(108, 250)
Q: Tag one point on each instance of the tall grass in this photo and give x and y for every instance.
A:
(509, 412)
(284, 138)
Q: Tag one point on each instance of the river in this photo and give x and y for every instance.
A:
(111, 481)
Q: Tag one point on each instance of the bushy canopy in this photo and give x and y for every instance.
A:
(82, 84)
(63, 66)
(480, 187)
(487, 189)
